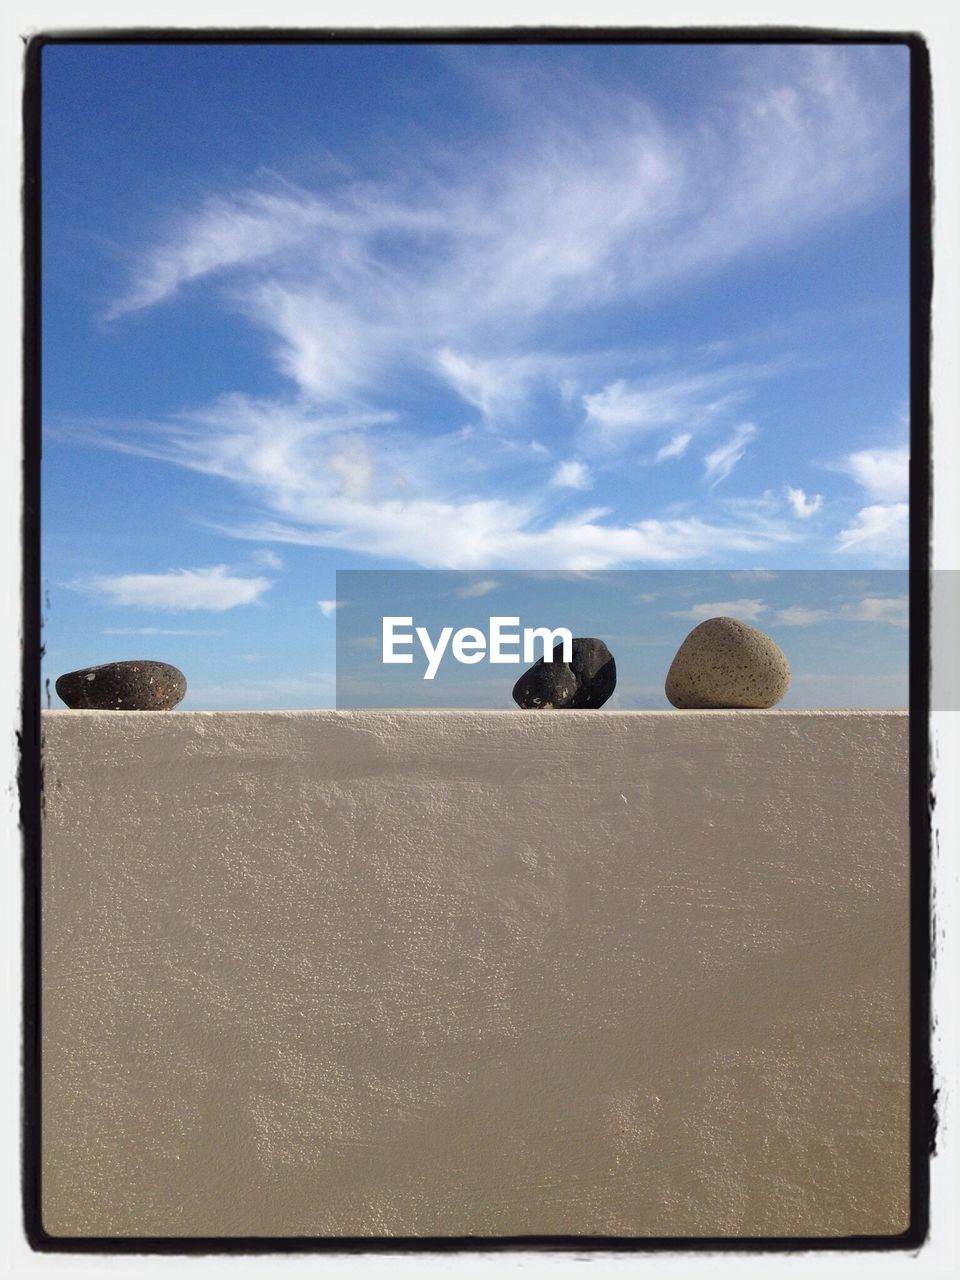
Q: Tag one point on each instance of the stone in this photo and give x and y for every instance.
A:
(123, 686)
(587, 680)
(726, 663)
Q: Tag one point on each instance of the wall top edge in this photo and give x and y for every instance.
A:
(484, 713)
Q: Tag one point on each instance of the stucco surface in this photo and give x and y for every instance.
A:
(456, 973)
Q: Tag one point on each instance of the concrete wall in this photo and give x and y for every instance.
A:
(452, 973)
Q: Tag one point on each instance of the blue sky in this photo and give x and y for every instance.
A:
(310, 308)
(845, 631)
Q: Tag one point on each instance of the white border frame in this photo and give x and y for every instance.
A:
(941, 29)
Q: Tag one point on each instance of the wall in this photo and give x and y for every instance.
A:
(453, 973)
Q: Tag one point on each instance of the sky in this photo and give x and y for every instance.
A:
(466, 308)
(845, 631)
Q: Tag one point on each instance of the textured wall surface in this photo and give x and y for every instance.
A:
(451, 973)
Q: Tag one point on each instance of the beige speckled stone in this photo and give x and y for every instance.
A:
(725, 663)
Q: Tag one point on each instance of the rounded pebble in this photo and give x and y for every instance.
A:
(726, 663)
(123, 686)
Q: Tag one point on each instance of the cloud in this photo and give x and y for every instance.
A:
(214, 589)
(327, 607)
(883, 473)
(676, 448)
(485, 270)
(155, 631)
(249, 227)
(804, 507)
(578, 196)
(621, 411)
(495, 385)
(495, 534)
(891, 609)
(354, 465)
(894, 610)
(407, 497)
(719, 463)
(745, 610)
(881, 529)
(799, 616)
(761, 506)
(269, 559)
(476, 589)
(571, 475)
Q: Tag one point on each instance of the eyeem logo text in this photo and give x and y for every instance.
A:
(470, 645)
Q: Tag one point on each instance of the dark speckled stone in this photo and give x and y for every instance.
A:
(586, 681)
(123, 686)
(725, 663)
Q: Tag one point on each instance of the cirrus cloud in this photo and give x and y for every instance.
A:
(580, 197)
(746, 610)
(882, 529)
(415, 503)
(214, 589)
(721, 462)
(468, 271)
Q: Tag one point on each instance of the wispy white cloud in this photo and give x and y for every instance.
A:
(496, 386)
(676, 448)
(327, 607)
(895, 610)
(796, 615)
(571, 475)
(214, 589)
(719, 464)
(481, 274)
(762, 506)
(474, 590)
(269, 559)
(883, 473)
(497, 534)
(254, 226)
(156, 631)
(497, 244)
(881, 529)
(745, 610)
(802, 506)
(621, 410)
(891, 609)
(404, 495)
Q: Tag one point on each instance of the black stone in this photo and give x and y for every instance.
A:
(123, 686)
(587, 680)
